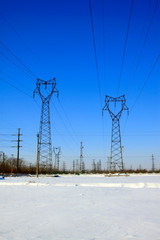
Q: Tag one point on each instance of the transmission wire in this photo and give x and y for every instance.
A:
(145, 40)
(95, 53)
(125, 46)
(145, 82)
(143, 27)
(18, 89)
(17, 58)
(15, 65)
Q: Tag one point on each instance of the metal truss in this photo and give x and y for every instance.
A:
(57, 152)
(45, 145)
(116, 158)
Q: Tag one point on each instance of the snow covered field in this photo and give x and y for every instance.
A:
(80, 208)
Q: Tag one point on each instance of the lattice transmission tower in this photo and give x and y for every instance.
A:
(57, 152)
(116, 158)
(45, 146)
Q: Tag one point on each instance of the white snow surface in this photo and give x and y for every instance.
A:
(85, 207)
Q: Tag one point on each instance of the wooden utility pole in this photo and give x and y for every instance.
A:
(37, 164)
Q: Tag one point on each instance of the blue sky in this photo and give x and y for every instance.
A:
(54, 39)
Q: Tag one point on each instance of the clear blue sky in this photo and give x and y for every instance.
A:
(54, 39)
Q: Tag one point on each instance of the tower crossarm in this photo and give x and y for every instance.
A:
(39, 83)
(109, 100)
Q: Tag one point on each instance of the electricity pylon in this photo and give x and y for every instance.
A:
(81, 157)
(57, 151)
(116, 159)
(45, 147)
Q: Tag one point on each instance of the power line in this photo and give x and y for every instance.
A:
(15, 87)
(104, 49)
(20, 38)
(67, 118)
(96, 61)
(95, 53)
(154, 65)
(125, 46)
(15, 64)
(63, 122)
(15, 80)
(143, 27)
(145, 40)
(18, 35)
(17, 58)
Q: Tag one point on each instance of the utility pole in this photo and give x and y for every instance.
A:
(37, 163)
(45, 146)
(99, 165)
(73, 165)
(81, 156)
(11, 162)
(18, 147)
(64, 166)
(3, 160)
(153, 167)
(94, 165)
(116, 158)
(108, 164)
(77, 165)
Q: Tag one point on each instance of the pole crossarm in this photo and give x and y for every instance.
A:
(116, 158)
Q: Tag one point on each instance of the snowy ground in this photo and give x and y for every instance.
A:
(80, 208)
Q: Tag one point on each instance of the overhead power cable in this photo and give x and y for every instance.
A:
(17, 58)
(95, 53)
(104, 49)
(96, 60)
(2, 79)
(143, 27)
(15, 65)
(153, 67)
(18, 89)
(125, 46)
(145, 39)
(74, 133)
(18, 35)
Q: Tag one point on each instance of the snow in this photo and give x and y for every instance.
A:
(85, 207)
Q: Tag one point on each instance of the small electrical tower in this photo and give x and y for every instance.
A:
(99, 166)
(93, 165)
(116, 159)
(81, 157)
(63, 166)
(74, 166)
(57, 152)
(77, 165)
(45, 147)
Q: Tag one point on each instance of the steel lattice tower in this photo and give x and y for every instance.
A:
(116, 158)
(45, 146)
